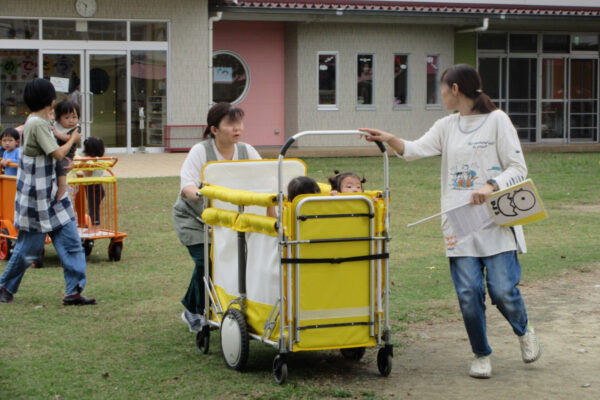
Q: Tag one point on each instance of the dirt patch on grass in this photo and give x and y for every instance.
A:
(433, 360)
(582, 208)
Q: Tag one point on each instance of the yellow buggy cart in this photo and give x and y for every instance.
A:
(314, 278)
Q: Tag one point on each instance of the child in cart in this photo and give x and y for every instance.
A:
(10, 145)
(94, 147)
(302, 185)
(346, 182)
(66, 114)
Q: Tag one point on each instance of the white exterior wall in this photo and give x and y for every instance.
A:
(188, 43)
(384, 41)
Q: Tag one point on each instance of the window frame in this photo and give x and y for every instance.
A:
(244, 93)
(328, 107)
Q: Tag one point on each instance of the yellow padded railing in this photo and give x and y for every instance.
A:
(239, 197)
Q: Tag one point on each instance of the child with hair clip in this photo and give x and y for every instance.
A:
(346, 182)
(66, 120)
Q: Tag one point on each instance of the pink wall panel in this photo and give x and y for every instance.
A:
(261, 45)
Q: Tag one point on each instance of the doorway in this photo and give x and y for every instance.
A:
(97, 82)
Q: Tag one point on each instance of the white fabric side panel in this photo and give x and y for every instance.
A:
(259, 176)
(262, 268)
(225, 259)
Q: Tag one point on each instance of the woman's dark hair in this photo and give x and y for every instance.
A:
(11, 132)
(93, 147)
(336, 180)
(302, 185)
(219, 112)
(39, 94)
(65, 107)
(469, 83)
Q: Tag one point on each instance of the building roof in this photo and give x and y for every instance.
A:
(412, 7)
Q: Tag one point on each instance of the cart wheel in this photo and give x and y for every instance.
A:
(203, 339)
(88, 246)
(114, 251)
(5, 246)
(234, 339)
(354, 353)
(280, 370)
(384, 361)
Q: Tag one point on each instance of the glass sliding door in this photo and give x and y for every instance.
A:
(583, 100)
(148, 98)
(106, 105)
(554, 77)
(17, 67)
(522, 92)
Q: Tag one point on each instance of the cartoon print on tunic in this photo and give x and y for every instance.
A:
(509, 204)
(463, 177)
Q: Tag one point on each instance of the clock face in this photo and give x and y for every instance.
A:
(86, 8)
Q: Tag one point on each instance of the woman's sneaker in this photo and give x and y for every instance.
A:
(530, 348)
(194, 321)
(481, 367)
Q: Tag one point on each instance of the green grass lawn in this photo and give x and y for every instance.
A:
(133, 345)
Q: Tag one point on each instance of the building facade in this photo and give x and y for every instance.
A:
(146, 72)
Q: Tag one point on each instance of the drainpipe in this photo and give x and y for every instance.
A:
(482, 28)
(211, 20)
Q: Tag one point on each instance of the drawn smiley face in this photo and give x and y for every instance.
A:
(523, 200)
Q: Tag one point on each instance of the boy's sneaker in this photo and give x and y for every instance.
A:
(194, 321)
(481, 367)
(530, 348)
(78, 300)
(5, 296)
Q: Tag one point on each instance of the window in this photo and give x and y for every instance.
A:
(17, 67)
(523, 43)
(327, 80)
(491, 41)
(18, 28)
(433, 66)
(364, 80)
(400, 80)
(556, 43)
(148, 31)
(584, 42)
(231, 77)
(84, 30)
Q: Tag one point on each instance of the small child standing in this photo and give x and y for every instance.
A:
(66, 115)
(10, 144)
(346, 182)
(94, 147)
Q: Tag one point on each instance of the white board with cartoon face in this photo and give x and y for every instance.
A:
(517, 205)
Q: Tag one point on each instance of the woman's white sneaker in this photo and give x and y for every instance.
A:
(530, 348)
(481, 367)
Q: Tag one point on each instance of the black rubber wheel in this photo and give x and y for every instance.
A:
(384, 361)
(280, 370)
(88, 246)
(234, 339)
(354, 353)
(203, 339)
(114, 251)
(6, 246)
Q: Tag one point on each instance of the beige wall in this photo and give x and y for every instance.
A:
(349, 40)
(188, 73)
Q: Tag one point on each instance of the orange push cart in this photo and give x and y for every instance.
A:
(8, 232)
(95, 203)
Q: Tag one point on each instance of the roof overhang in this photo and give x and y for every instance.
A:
(501, 16)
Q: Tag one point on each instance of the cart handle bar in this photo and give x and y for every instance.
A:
(291, 140)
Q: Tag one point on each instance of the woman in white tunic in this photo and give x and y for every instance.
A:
(481, 153)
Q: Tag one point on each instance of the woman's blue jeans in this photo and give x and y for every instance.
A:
(193, 300)
(502, 274)
(28, 248)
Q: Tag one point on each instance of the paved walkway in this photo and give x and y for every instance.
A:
(148, 165)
